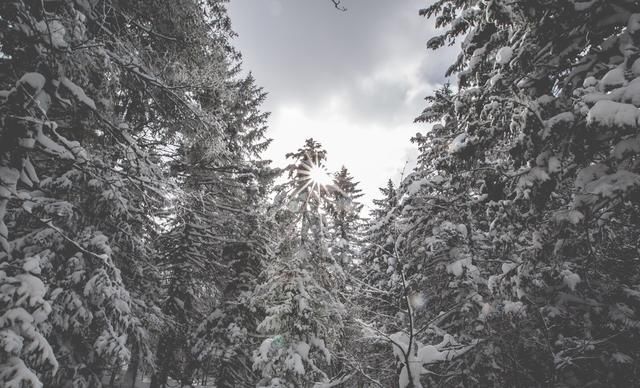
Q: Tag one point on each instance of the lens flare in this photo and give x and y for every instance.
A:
(319, 176)
(313, 178)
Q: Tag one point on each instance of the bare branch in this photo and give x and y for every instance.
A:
(338, 5)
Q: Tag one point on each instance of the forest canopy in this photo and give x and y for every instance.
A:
(145, 242)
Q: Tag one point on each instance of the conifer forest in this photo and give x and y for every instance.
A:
(146, 242)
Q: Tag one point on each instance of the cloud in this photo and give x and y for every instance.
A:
(309, 46)
(352, 80)
(363, 147)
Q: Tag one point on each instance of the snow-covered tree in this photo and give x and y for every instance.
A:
(345, 220)
(526, 189)
(380, 236)
(107, 108)
(303, 314)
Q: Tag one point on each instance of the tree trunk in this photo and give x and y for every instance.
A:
(114, 373)
(130, 376)
(159, 378)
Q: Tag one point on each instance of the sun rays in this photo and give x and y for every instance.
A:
(319, 176)
(313, 177)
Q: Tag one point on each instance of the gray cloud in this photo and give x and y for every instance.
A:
(299, 48)
(342, 77)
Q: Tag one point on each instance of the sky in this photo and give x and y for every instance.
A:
(354, 80)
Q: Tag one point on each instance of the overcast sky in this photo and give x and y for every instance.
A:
(353, 80)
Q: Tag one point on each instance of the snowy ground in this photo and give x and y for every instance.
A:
(144, 383)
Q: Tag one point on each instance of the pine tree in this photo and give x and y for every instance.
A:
(112, 107)
(374, 297)
(379, 237)
(303, 316)
(526, 165)
(220, 248)
(245, 234)
(344, 214)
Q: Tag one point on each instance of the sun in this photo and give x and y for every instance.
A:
(313, 178)
(319, 176)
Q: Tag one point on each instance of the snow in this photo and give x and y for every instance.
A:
(554, 165)
(415, 186)
(570, 279)
(263, 351)
(560, 121)
(417, 300)
(415, 376)
(32, 265)
(515, 308)
(590, 173)
(589, 82)
(486, 311)
(400, 347)
(610, 114)
(476, 58)
(294, 362)
(469, 38)
(35, 81)
(53, 32)
(457, 267)
(493, 81)
(507, 267)
(400, 344)
(9, 178)
(621, 358)
(78, 93)
(31, 287)
(113, 346)
(447, 349)
(144, 381)
(629, 94)
(625, 147)
(633, 24)
(303, 304)
(15, 374)
(611, 185)
(429, 354)
(525, 82)
(333, 383)
(458, 144)
(16, 317)
(53, 147)
(583, 5)
(302, 348)
(4, 95)
(536, 174)
(11, 342)
(462, 228)
(504, 55)
(29, 170)
(319, 343)
(613, 79)
(635, 68)
(572, 216)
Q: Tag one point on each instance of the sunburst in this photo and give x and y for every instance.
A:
(315, 178)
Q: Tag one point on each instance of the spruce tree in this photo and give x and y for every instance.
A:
(303, 315)
(526, 165)
(345, 222)
(112, 107)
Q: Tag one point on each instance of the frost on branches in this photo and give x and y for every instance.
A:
(139, 235)
(535, 154)
(303, 313)
(108, 110)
